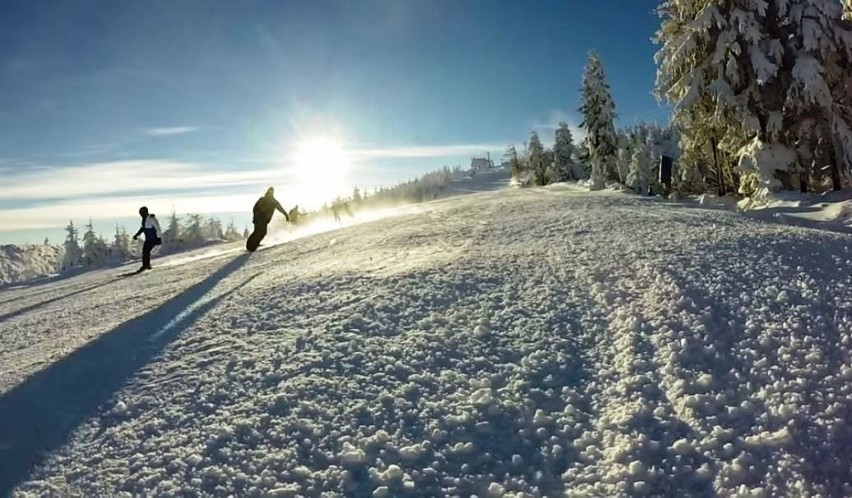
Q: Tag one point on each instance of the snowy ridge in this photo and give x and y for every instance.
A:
(525, 343)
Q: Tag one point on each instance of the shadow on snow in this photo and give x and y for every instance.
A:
(39, 415)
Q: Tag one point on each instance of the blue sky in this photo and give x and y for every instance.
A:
(200, 104)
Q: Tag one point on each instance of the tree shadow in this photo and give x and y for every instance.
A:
(39, 415)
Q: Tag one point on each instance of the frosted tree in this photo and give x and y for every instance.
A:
(598, 110)
(214, 229)
(121, 244)
(563, 154)
(641, 175)
(231, 232)
(171, 236)
(73, 253)
(93, 253)
(246, 232)
(515, 163)
(356, 195)
(193, 230)
(537, 160)
(761, 81)
(847, 10)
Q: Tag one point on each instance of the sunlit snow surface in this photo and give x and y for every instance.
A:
(516, 343)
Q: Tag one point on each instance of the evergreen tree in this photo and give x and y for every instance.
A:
(563, 154)
(598, 111)
(91, 247)
(760, 82)
(214, 229)
(515, 163)
(72, 247)
(171, 236)
(121, 245)
(193, 231)
(246, 233)
(537, 160)
(640, 176)
(356, 195)
(231, 232)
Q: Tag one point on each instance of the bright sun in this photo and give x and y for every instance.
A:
(321, 169)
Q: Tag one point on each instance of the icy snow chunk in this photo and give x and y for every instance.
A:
(412, 452)
(393, 473)
(481, 397)
(541, 418)
(120, 407)
(682, 447)
(381, 492)
(704, 381)
(352, 455)
(771, 439)
(194, 459)
(496, 490)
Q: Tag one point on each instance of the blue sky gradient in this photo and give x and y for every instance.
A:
(137, 95)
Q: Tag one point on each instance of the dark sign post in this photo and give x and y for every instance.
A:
(666, 167)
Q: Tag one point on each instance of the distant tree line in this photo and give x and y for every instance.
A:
(92, 249)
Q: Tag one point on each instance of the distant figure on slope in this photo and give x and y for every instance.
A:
(151, 228)
(294, 215)
(262, 213)
(335, 209)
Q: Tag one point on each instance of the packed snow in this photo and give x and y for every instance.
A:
(535, 342)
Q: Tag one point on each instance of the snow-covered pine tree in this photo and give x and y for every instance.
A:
(213, 229)
(121, 244)
(171, 236)
(231, 232)
(246, 233)
(537, 160)
(624, 157)
(193, 231)
(598, 111)
(640, 175)
(766, 76)
(563, 154)
(72, 247)
(91, 253)
(515, 163)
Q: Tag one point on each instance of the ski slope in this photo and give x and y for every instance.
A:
(536, 342)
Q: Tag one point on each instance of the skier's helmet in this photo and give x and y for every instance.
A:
(143, 211)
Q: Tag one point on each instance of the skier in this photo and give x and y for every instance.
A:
(151, 228)
(262, 212)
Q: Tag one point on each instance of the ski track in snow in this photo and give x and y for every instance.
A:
(536, 342)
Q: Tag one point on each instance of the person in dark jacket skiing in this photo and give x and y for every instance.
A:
(262, 213)
(151, 229)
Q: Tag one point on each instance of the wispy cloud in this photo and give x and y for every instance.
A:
(57, 214)
(546, 127)
(126, 177)
(424, 151)
(169, 131)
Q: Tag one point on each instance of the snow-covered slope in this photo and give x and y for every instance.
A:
(20, 263)
(529, 342)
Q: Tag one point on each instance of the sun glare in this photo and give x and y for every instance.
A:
(321, 169)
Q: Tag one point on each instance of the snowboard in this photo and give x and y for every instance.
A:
(253, 241)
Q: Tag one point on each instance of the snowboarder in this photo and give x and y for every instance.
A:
(262, 212)
(294, 215)
(151, 229)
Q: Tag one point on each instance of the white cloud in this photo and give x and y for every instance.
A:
(424, 151)
(55, 215)
(168, 131)
(546, 127)
(119, 177)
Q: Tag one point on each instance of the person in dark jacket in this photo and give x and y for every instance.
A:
(151, 229)
(262, 213)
